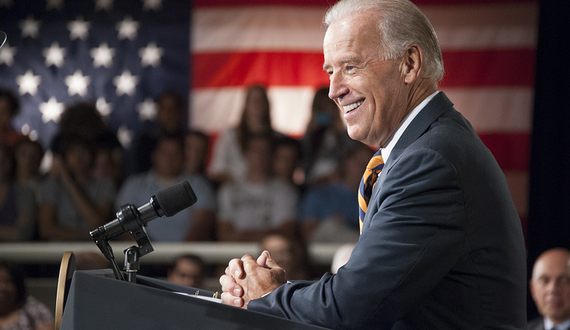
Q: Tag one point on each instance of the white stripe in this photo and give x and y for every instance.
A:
(489, 26)
(495, 109)
(489, 110)
(215, 109)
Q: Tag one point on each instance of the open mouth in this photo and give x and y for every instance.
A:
(350, 107)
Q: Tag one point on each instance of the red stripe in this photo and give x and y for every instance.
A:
(463, 69)
(327, 3)
(512, 150)
(506, 67)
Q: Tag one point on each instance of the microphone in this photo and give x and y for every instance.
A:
(166, 202)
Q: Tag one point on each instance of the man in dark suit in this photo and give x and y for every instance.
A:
(550, 289)
(441, 245)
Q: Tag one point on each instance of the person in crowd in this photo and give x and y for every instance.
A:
(259, 204)
(196, 148)
(170, 120)
(88, 260)
(17, 309)
(550, 289)
(441, 244)
(325, 140)
(195, 223)
(18, 209)
(82, 119)
(286, 161)
(28, 155)
(289, 254)
(228, 161)
(71, 201)
(329, 212)
(187, 270)
(9, 108)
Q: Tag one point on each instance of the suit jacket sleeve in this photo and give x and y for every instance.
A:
(412, 240)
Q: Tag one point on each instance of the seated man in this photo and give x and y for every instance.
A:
(187, 270)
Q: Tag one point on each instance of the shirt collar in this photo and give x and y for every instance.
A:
(405, 123)
(548, 324)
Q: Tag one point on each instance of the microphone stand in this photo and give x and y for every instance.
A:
(130, 219)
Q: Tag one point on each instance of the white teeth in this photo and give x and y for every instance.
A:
(352, 106)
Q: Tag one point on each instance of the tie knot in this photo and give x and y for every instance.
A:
(376, 163)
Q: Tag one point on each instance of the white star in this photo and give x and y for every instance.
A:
(125, 83)
(51, 110)
(30, 27)
(6, 3)
(152, 5)
(79, 29)
(124, 136)
(150, 55)
(102, 56)
(103, 5)
(7, 54)
(146, 109)
(77, 84)
(103, 107)
(54, 55)
(127, 28)
(28, 83)
(54, 4)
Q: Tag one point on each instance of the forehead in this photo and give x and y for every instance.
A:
(351, 34)
(552, 265)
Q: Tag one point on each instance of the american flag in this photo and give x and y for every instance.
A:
(488, 50)
(120, 54)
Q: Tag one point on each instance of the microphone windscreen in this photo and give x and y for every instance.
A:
(176, 198)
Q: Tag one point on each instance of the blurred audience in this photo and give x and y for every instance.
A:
(29, 155)
(196, 223)
(170, 120)
(228, 161)
(325, 140)
(9, 108)
(329, 212)
(187, 270)
(71, 201)
(550, 289)
(196, 148)
(286, 161)
(259, 204)
(87, 260)
(288, 254)
(17, 310)
(17, 205)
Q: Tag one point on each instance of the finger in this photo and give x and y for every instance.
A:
(228, 299)
(226, 281)
(262, 258)
(236, 268)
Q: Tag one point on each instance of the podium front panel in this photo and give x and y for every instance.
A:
(98, 301)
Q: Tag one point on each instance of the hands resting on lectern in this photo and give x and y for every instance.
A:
(247, 278)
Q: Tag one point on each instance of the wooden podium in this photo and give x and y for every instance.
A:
(96, 300)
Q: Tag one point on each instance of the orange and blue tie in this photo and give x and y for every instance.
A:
(370, 176)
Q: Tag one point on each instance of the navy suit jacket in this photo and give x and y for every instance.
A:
(441, 248)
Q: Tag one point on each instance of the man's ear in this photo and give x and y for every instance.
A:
(412, 63)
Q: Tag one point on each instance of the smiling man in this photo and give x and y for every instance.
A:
(441, 244)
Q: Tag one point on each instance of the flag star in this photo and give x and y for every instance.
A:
(77, 84)
(150, 55)
(7, 54)
(102, 55)
(124, 136)
(51, 110)
(30, 27)
(127, 28)
(6, 3)
(79, 29)
(103, 107)
(54, 55)
(54, 4)
(125, 83)
(152, 5)
(103, 5)
(147, 109)
(28, 83)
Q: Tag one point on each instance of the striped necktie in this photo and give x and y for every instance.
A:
(370, 176)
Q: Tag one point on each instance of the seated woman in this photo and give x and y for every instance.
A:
(17, 310)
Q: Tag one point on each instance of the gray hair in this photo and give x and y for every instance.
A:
(401, 24)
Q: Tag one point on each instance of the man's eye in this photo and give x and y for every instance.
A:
(350, 68)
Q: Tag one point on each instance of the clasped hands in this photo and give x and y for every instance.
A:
(247, 278)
